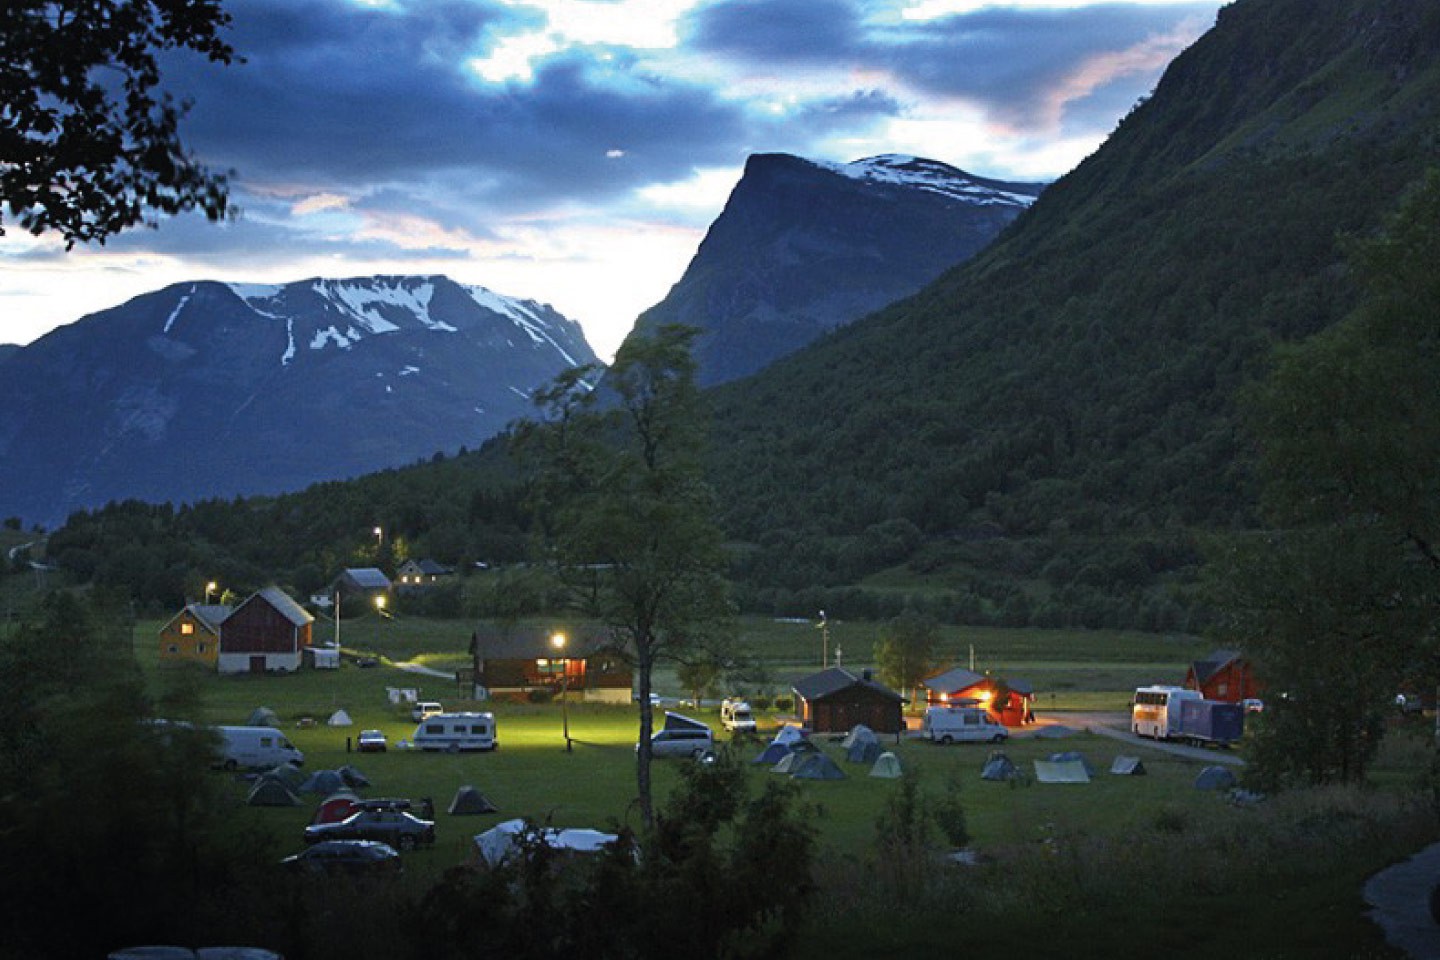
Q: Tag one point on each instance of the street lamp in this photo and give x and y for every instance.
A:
(380, 605)
(210, 588)
(558, 642)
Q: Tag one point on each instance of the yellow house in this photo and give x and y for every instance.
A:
(193, 634)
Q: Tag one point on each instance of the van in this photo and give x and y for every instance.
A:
(454, 732)
(736, 717)
(951, 724)
(255, 747)
(681, 742)
(425, 709)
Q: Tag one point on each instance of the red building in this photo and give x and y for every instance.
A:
(269, 631)
(1224, 675)
(1009, 701)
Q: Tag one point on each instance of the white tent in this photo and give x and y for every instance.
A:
(788, 734)
(500, 841)
(1061, 771)
(858, 734)
(325, 658)
(886, 766)
(340, 719)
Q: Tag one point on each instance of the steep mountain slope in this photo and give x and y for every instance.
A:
(210, 389)
(1077, 379)
(803, 247)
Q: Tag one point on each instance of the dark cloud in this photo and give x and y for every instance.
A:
(779, 31)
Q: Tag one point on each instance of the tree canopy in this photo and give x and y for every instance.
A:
(89, 145)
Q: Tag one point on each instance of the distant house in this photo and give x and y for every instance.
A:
(193, 634)
(515, 663)
(363, 584)
(835, 700)
(419, 574)
(1008, 701)
(1224, 675)
(269, 631)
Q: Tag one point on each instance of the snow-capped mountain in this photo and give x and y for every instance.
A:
(213, 389)
(804, 246)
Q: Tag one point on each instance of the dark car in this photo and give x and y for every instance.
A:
(401, 830)
(354, 857)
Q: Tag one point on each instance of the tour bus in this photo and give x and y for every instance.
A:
(457, 731)
(1156, 711)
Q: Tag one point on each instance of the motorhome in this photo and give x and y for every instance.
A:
(1155, 711)
(736, 717)
(959, 724)
(255, 747)
(454, 732)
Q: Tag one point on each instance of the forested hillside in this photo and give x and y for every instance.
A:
(1060, 411)
(1044, 434)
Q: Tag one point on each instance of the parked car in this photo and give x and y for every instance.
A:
(370, 741)
(401, 830)
(681, 742)
(425, 709)
(354, 857)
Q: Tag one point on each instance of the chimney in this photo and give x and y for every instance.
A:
(866, 674)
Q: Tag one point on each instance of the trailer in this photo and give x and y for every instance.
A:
(1174, 713)
(1206, 722)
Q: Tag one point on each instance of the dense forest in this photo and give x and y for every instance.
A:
(1046, 435)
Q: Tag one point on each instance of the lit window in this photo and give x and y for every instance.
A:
(187, 628)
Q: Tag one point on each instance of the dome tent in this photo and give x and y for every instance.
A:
(469, 801)
(887, 766)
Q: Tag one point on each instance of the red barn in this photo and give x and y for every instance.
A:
(269, 631)
(1224, 675)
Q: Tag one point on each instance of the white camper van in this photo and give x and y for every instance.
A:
(454, 732)
(951, 724)
(736, 717)
(255, 747)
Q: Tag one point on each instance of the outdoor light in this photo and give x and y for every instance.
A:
(209, 589)
(557, 640)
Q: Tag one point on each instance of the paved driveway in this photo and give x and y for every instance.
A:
(1116, 726)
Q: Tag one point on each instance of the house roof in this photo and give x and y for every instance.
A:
(430, 568)
(1213, 664)
(282, 602)
(210, 615)
(366, 578)
(528, 642)
(831, 681)
(952, 681)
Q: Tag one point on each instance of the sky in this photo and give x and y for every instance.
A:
(575, 151)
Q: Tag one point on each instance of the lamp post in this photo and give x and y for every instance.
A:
(824, 627)
(558, 641)
(380, 605)
(210, 588)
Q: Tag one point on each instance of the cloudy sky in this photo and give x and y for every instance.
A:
(574, 151)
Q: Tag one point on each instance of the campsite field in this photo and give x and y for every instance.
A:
(532, 775)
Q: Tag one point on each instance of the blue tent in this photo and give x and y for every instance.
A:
(773, 754)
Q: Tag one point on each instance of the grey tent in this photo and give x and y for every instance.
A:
(857, 733)
(803, 746)
(468, 801)
(271, 792)
(353, 778)
(863, 751)
(999, 767)
(288, 774)
(263, 717)
(816, 766)
(773, 753)
(887, 766)
(340, 718)
(323, 782)
(1215, 778)
(1061, 771)
(1055, 731)
(1075, 755)
(789, 762)
(1127, 766)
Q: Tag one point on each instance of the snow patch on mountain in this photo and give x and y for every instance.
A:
(170, 321)
(909, 171)
(524, 315)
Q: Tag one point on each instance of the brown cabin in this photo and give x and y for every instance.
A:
(835, 700)
(515, 663)
(268, 632)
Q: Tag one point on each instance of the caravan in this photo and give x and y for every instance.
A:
(736, 717)
(454, 732)
(255, 747)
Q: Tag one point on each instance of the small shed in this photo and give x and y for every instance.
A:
(835, 700)
(269, 631)
(513, 663)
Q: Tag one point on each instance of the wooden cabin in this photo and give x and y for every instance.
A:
(835, 700)
(1010, 702)
(515, 663)
(193, 634)
(1224, 675)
